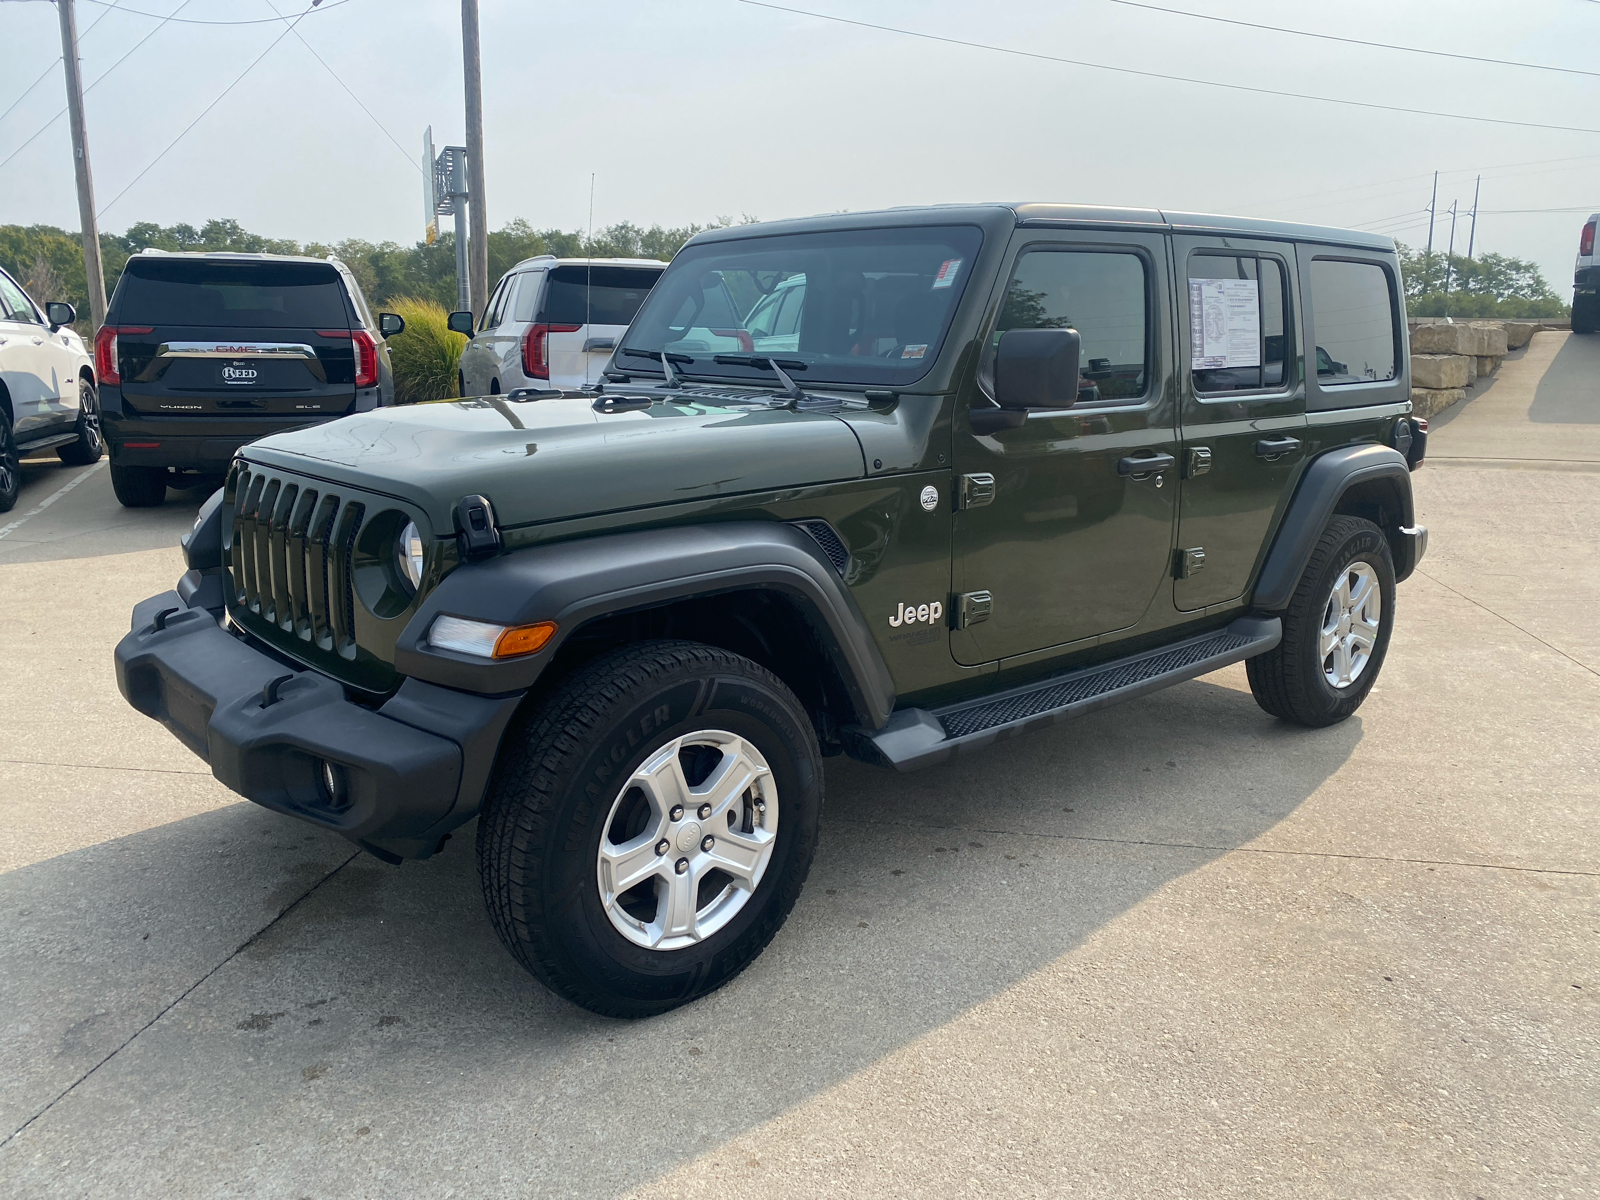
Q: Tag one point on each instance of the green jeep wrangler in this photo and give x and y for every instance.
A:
(895, 485)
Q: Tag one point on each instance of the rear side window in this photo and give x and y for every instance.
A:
(596, 295)
(1353, 317)
(266, 294)
(1104, 295)
(1237, 337)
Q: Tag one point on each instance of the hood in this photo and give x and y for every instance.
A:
(547, 460)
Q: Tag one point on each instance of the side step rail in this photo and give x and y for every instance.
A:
(918, 737)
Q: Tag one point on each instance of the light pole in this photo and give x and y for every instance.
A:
(478, 247)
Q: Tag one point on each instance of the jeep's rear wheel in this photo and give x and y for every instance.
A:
(139, 487)
(649, 826)
(1335, 630)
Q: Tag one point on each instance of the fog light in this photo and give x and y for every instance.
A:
(334, 786)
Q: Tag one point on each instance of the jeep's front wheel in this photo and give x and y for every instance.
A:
(649, 826)
(1335, 630)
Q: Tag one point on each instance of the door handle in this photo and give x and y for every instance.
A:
(1271, 448)
(1150, 464)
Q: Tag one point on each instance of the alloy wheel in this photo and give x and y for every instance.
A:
(1350, 623)
(687, 840)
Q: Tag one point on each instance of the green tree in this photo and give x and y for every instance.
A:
(1490, 285)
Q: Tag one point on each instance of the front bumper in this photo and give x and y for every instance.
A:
(409, 770)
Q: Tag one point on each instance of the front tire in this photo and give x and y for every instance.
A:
(139, 487)
(10, 465)
(90, 445)
(1335, 630)
(660, 744)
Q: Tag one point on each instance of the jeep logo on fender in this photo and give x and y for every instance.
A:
(238, 374)
(913, 614)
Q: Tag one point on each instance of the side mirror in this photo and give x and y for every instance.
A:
(460, 322)
(59, 314)
(1037, 368)
(390, 324)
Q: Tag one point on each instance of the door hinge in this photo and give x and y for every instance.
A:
(1196, 461)
(976, 491)
(1187, 562)
(972, 608)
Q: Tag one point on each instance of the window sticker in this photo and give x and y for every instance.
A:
(1224, 323)
(947, 273)
(916, 351)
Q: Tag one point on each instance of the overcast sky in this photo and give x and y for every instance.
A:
(690, 109)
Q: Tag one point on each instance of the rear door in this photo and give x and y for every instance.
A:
(203, 337)
(1243, 409)
(588, 309)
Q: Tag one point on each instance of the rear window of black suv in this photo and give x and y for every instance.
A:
(270, 295)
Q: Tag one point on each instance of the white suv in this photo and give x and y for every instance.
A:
(553, 322)
(47, 395)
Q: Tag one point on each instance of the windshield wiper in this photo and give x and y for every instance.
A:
(775, 365)
(666, 360)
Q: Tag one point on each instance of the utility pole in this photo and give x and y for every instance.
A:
(1472, 238)
(1449, 258)
(478, 247)
(93, 274)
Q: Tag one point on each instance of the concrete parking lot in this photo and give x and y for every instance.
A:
(1175, 948)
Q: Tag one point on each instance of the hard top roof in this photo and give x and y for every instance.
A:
(1048, 214)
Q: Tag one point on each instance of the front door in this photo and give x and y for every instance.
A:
(1067, 521)
(1243, 410)
(27, 363)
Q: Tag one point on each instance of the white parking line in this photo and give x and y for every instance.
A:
(5, 530)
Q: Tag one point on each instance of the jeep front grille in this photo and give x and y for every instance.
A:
(290, 559)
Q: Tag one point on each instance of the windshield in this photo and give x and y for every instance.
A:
(853, 306)
(186, 291)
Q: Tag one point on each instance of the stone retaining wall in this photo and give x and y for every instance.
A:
(1448, 357)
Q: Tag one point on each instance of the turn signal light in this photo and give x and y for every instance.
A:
(365, 350)
(1586, 240)
(105, 351)
(482, 639)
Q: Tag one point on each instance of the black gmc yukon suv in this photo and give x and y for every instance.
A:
(201, 353)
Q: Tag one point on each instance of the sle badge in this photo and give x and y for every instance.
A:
(930, 498)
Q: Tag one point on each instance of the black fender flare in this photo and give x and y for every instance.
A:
(1324, 483)
(574, 582)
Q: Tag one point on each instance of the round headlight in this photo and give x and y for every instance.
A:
(409, 554)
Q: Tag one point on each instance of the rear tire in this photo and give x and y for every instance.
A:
(1331, 651)
(139, 487)
(89, 446)
(1585, 311)
(584, 786)
(10, 465)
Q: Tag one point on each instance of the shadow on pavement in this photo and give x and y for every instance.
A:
(89, 522)
(378, 1040)
(1569, 392)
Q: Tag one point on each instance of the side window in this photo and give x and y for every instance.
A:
(1104, 295)
(527, 305)
(14, 304)
(1353, 314)
(491, 314)
(1238, 338)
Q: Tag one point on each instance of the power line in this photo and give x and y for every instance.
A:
(403, 152)
(106, 208)
(1328, 37)
(92, 86)
(195, 21)
(1234, 87)
(54, 61)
